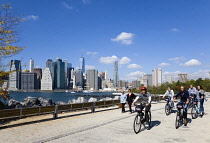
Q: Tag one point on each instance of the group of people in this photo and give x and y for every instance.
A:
(192, 94)
(130, 98)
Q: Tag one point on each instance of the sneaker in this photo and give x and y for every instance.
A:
(146, 125)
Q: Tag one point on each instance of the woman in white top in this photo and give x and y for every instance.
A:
(170, 94)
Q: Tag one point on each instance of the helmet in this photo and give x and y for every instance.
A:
(143, 88)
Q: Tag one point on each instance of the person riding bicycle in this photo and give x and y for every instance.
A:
(201, 98)
(193, 93)
(170, 94)
(146, 102)
(184, 99)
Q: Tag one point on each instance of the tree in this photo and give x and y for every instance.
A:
(9, 37)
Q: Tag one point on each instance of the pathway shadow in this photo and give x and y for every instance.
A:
(154, 124)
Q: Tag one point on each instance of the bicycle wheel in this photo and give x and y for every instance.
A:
(137, 124)
(150, 118)
(178, 120)
(167, 109)
(194, 112)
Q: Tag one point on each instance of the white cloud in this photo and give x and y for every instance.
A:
(134, 66)
(177, 59)
(108, 60)
(85, 1)
(164, 64)
(134, 75)
(192, 62)
(32, 17)
(124, 38)
(174, 30)
(92, 53)
(171, 73)
(124, 60)
(89, 67)
(67, 6)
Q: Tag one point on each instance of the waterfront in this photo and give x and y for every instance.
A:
(59, 96)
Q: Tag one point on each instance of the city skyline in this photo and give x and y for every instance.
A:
(142, 34)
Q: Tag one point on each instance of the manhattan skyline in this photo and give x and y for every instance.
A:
(142, 34)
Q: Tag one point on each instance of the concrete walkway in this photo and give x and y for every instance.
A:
(107, 125)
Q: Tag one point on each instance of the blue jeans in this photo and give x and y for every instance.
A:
(185, 111)
(201, 105)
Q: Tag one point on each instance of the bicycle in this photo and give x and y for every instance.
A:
(168, 106)
(179, 115)
(140, 120)
(195, 111)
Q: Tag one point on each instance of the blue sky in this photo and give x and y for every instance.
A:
(141, 34)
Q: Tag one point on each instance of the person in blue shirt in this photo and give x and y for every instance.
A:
(123, 99)
(184, 99)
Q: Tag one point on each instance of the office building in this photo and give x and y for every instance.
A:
(169, 79)
(15, 75)
(116, 76)
(122, 84)
(59, 74)
(31, 64)
(38, 71)
(82, 64)
(157, 77)
(182, 77)
(29, 81)
(46, 81)
(146, 80)
(136, 84)
(92, 81)
(78, 79)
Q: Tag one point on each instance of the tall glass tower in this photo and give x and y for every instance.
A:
(116, 77)
(59, 74)
(82, 64)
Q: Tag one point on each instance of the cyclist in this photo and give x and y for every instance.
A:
(192, 92)
(146, 102)
(201, 98)
(184, 95)
(170, 94)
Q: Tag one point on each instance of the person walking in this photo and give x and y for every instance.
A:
(130, 98)
(123, 99)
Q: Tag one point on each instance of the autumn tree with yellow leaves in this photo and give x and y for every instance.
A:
(9, 38)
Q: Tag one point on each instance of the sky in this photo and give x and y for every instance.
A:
(142, 34)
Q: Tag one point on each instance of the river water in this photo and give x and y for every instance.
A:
(58, 96)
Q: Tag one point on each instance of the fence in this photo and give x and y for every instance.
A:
(55, 109)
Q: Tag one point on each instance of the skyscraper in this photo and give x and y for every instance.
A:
(92, 82)
(78, 78)
(31, 65)
(169, 79)
(157, 77)
(50, 65)
(182, 77)
(46, 82)
(116, 77)
(146, 80)
(15, 75)
(59, 74)
(106, 75)
(29, 81)
(82, 64)
(38, 71)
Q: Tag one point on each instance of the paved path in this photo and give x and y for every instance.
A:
(108, 125)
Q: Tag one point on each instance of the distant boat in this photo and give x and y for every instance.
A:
(87, 91)
(116, 93)
(73, 92)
